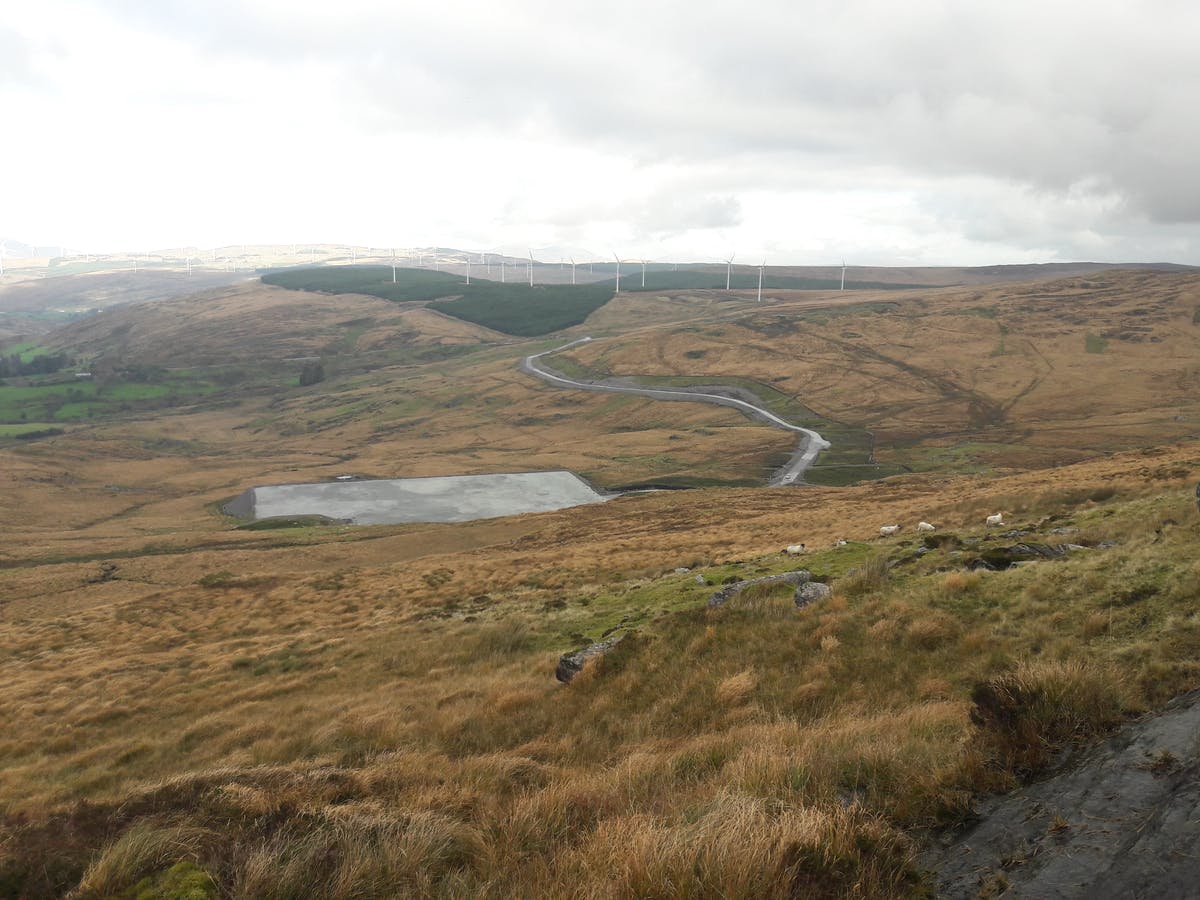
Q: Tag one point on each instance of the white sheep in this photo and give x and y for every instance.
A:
(997, 519)
(793, 549)
(885, 530)
(925, 526)
(841, 542)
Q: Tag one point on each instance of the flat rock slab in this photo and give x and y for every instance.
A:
(450, 498)
(1122, 821)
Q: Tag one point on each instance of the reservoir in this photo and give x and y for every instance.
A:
(448, 498)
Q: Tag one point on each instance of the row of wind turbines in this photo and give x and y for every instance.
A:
(487, 259)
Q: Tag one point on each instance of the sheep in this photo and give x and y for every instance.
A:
(885, 530)
(793, 549)
(997, 519)
(925, 526)
(841, 542)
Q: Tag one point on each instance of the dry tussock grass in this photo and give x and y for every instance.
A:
(368, 709)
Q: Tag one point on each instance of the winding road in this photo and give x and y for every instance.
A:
(811, 443)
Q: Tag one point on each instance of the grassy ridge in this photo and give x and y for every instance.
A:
(741, 281)
(512, 308)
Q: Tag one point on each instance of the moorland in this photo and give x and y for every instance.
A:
(194, 704)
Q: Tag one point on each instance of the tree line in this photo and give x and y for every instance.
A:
(45, 364)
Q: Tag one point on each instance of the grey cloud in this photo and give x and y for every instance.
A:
(1045, 96)
(669, 214)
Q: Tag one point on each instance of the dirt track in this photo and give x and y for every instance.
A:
(811, 444)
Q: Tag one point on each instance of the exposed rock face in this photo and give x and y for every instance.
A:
(721, 597)
(1117, 821)
(571, 664)
(811, 593)
(995, 558)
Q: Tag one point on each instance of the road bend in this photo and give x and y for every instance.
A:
(811, 443)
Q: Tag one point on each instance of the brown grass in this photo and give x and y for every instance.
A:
(355, 708)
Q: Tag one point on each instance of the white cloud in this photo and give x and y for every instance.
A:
(923, 132)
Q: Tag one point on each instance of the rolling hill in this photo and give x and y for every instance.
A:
(337, 710)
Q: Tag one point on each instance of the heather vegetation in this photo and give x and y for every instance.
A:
(754, 750)
(199, 706)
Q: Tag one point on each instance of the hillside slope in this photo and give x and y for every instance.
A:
(340, 711)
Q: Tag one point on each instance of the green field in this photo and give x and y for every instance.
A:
(57, 401)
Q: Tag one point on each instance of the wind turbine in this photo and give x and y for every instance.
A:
(729, 269)
(393, 267)
(760, 271)
(531, 267)
(572, 270)
(618, 259)
(468, 268)
(843, 287)
(643, 273)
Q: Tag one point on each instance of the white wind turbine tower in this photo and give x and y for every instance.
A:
(643, 273)
(760, 271)
(393, 267)
(572, 270)
(531, 267)
(618, 259)
(468, 268)
(843, 287)
(729, 269)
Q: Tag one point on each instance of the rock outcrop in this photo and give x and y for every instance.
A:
(811, 592)
(571, 664)
(1116, 821)
(723, 596)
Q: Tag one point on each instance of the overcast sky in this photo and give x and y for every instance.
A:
(802, 132)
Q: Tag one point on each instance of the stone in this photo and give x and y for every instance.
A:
(571, 664)
(721, 597)
(811, 593)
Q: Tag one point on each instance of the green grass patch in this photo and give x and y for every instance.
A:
(56, 400)
(29, 430)
(1094, 343)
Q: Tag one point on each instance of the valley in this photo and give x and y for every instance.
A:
(354, 707)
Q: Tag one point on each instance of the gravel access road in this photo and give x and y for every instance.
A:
(811, 443)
